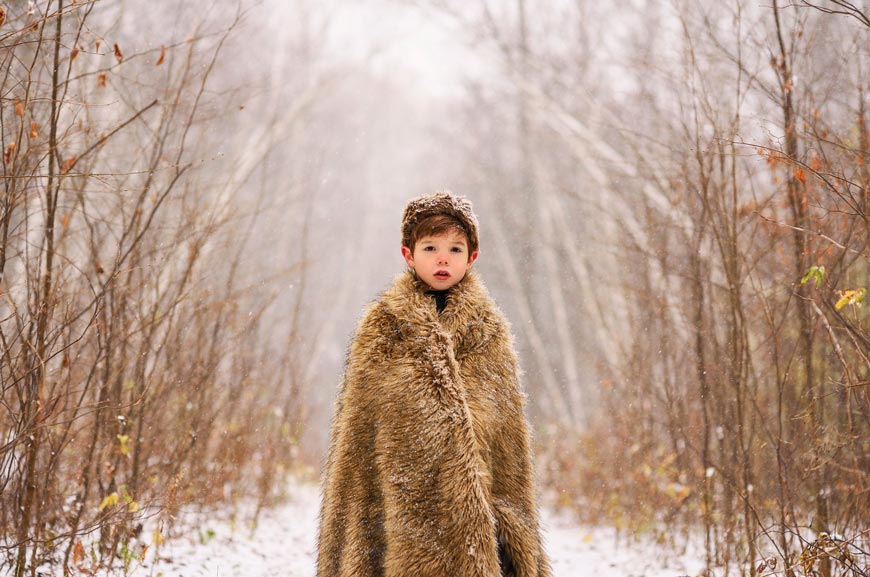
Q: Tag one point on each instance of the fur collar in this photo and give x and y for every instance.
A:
(470, 318)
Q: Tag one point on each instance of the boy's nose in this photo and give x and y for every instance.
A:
(442, 259)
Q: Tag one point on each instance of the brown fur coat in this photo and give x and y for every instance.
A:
(429, 470)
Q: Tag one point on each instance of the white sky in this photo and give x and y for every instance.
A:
(408, 45)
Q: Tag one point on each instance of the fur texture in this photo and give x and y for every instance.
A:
(429, 470)
(444, 202)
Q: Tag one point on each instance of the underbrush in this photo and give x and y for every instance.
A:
(650, 493)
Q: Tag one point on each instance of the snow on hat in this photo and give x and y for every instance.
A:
(443, 202)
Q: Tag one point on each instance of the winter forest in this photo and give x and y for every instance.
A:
(200, 197)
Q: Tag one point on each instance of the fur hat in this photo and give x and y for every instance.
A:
(443, 202)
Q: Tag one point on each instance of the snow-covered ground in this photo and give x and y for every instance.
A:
(282, 544)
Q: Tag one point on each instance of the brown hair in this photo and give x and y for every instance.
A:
(440, 224)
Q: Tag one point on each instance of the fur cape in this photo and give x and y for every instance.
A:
(429, 468)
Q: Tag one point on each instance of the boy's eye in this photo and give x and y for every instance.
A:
(429, 248)
(457, 249)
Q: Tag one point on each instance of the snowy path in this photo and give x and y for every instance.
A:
(283, 545)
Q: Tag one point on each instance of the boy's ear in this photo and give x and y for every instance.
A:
(408, 255)
(472, 257)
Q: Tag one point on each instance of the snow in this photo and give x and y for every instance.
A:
(283, 544)
(575, 550)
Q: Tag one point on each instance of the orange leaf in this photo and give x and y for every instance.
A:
(815, 162)
(101, 79)
(19, 108)
(78, 553)
(75, 53)
(2, 15)
(68, 164)
(118, 55)
(799, 174)
(860, 159)
(97, 45)
(7, 155)
(34, 133)
(64, 220)
(162, 56)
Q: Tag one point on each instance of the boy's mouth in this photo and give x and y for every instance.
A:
(442, 275)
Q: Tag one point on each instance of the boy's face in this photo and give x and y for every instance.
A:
(442, 260)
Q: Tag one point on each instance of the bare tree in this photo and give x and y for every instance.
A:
(136, 343)
(724, 260)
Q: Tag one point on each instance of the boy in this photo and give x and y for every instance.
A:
(429, 470)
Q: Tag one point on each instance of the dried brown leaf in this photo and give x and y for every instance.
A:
(78, 553)
(68, 164)
(8, 153)
(118, 56)
(162, 56)
(799, 175)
